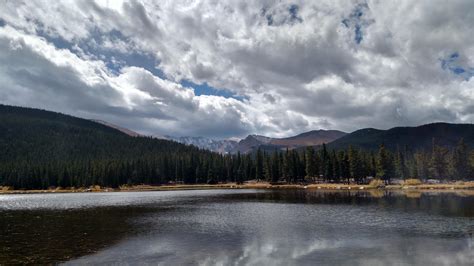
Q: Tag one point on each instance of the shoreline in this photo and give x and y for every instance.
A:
(450, 187)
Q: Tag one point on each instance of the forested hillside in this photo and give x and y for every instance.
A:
(416, 138)
(41, 149)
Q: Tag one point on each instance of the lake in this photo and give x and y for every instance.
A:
(238, 227)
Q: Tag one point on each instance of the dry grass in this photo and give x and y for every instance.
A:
(465, 185)
(376, 186)
(412, 182)
(339, 186)
(180, 187)
(377, 183)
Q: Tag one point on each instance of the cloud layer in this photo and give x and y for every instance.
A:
(286, 67)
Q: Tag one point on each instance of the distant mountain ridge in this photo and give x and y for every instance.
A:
(310, 138)
(253, 142)
(419, 137)
(221, 146)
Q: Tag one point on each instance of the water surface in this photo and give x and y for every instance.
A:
(238, 227)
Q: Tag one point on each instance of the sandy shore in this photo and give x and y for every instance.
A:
(464, 186)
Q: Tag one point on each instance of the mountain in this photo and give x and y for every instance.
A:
(221, 146)
(419, 137)
(42, 148)
(311, 138)
(122, 129)
(249, 143)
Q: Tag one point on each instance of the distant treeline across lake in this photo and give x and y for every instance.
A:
(41, 149)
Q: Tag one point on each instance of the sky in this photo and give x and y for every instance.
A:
(225, 69)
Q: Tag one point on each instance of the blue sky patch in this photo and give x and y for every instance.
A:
(458, 70)
(142, 60)
(269, 18)
(58, 42)
(357, 21)
(113, 59)
(280, 16)
(293, 10)
(346, 22)
(358, 34)
(454, 55)
(116, 60)
(205, 89)
(452, 64)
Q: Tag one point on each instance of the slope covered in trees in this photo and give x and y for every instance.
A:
(416, 138)
(40, 149)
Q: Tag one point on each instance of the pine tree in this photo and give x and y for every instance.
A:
(459, 162)
(324, 158)
(355, 165)
(414, 169)
(400, 168)
(439, 161)
(471, 165)
(286, 165)
(310, 163)
(329, 169)
(267, 168)
(259, 165)
(335, 167)
(239, 178)
(275, 167)
(383, 164)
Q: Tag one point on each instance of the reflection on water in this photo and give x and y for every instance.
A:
(51, 236)
(238, 227)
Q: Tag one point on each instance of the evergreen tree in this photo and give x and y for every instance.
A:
(439, 161)
(286, 165)
(324, 158)
(310, 163)
(259, 165)
(400, 168)
(267, 168)
(355, 165)
(459, 162)
(383, 164)
(422, 164)
(275, 167)
(335, 167)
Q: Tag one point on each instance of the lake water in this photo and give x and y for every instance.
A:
(238, 227)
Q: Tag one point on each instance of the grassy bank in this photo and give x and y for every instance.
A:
(411, 185)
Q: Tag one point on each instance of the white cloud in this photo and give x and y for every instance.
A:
(297, 64)
(40, 75)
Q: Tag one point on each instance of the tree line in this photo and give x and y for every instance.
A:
(147, 162)
(357, 165)
(41, 149)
